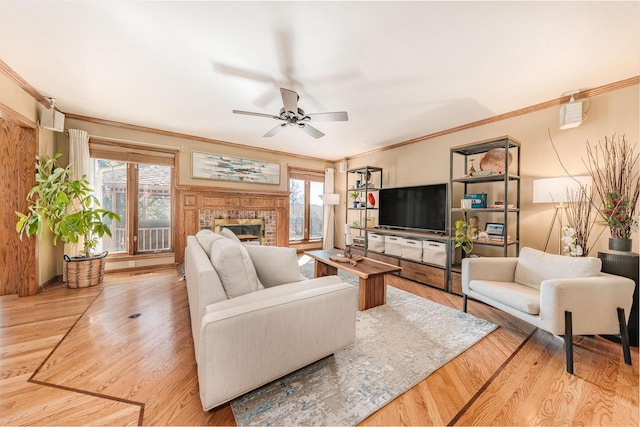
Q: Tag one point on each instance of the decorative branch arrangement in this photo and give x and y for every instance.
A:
(579, 216)
(616, 182)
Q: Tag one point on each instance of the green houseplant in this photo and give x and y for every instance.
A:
(462, 234)
(355, 196)
(66, 206)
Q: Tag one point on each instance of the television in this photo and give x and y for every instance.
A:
(422, 208)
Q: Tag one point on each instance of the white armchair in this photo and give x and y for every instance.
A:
(561, 295)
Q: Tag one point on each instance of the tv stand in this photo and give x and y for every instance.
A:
(423, 272)
(364, 185)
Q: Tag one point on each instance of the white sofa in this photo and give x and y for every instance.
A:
(559, 294)
(268, 326)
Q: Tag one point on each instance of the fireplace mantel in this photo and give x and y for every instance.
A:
(192, 199)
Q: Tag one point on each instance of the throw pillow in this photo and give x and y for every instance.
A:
(536, 266)
(234, 267)
(206, 239)
(275, 265)
(229, 234)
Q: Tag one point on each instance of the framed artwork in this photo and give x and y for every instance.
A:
(494, 229)
(227, 168)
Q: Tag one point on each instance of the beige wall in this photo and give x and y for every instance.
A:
(184, 148)
(186, 145)
(14, 97)
(427, 162)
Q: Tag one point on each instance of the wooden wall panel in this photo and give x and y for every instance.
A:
(18, 258)
(192, 199)
(258, 203)
(221, 202)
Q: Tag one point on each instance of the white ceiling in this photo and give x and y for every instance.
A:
(400, 69)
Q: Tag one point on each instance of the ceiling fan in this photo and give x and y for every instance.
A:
(291, 115)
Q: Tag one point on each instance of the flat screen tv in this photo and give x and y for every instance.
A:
(421, 208)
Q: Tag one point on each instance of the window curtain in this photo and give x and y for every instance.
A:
(80, 162)
(328, 226)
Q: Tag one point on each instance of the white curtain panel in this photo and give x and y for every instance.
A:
(328, 225)
(80, 162)
(79, 154)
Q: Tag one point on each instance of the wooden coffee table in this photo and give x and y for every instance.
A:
(372, 290)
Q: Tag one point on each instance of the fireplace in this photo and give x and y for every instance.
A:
(245, 229)
(198, 207)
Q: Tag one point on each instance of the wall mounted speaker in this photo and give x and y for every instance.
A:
(571, 115)
(51, 119)
(342, 166)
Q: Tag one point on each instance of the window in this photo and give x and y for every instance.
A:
(305, 205)
(137, 184)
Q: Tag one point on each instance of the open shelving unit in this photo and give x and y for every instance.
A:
(505, 182)
(365, 215)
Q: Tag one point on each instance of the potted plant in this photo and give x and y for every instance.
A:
(613, 169)
(462, 234)
(355, 196)
(67, 207)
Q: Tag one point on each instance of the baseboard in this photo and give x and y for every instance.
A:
(52, 281)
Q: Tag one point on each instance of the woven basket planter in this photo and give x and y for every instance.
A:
(83, 272)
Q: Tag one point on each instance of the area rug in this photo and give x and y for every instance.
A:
(397, 346)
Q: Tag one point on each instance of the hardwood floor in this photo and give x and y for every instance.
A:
(77, 357)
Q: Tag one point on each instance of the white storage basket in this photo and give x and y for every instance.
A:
(434, 252)
(393, 245)
(376, 242)
(412, 249)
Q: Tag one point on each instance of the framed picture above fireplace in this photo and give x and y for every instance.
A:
(227, 168)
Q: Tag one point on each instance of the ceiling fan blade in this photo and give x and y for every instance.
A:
(290, 100)
(338, 116)
(275, 130)
(249, 113)
(230, 70)
(310, 130)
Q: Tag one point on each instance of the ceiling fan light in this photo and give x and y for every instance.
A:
(292, 115)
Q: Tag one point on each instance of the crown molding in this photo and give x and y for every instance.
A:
(632, 81)
(22, 83)
(187, 136)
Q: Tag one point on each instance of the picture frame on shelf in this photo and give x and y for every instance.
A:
(494, 229)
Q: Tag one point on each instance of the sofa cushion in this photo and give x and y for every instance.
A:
(520, 297)
(206, 239)
(234, 267)
(274, 292)
(535, 266)
(229, 234)
(275, 265)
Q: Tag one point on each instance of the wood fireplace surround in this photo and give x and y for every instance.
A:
(198, 206)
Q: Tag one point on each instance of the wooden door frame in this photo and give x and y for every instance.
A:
(24, 277)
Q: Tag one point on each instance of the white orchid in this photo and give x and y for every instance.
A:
(569, 240)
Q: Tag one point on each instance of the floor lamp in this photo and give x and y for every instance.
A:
(557, 191)
(329, 200)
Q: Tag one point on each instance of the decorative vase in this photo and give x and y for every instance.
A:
(372, 200)
(618, 244)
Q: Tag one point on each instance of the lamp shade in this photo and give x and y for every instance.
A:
(331, 199)
(554, 190)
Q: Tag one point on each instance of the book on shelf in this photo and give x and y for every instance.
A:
(478, 200)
